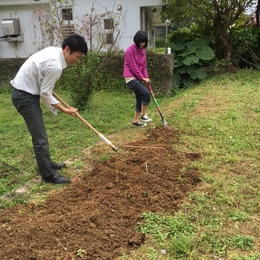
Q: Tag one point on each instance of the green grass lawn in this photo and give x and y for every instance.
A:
(220, 118)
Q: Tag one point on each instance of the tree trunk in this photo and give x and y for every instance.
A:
(225, 42)
(227, 48)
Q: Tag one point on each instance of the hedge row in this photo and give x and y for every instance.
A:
(109, 73)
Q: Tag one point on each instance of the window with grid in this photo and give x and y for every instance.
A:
(67, 14)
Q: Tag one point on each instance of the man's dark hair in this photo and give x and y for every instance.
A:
(139, 37)
(75, 43)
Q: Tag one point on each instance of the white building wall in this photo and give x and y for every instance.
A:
(131, 13)
(18, 9)
(23, 9)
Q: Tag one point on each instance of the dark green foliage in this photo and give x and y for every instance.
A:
(77, 79)
(95, 72)
(246, 47)
(188, 62)
(160, 42)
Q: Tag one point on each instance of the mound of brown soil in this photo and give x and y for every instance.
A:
(95, 216)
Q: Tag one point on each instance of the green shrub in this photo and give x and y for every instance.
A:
(246, 49)
(78, 80)
(188, 61)
(160, 42)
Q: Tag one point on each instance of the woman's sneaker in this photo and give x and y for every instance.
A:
(146, 118)
(139, 124)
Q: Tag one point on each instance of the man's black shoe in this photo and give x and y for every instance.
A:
(57, 179)
(58, 166)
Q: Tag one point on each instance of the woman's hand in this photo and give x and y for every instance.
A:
(146, 80)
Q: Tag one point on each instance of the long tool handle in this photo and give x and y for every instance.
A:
(114, 148)
(156, 103)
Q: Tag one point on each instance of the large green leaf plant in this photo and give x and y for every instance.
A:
(189, 60)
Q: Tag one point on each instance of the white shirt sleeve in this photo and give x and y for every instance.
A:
(52, 74)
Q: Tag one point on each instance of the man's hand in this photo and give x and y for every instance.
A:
(71, 111)
(68, 110)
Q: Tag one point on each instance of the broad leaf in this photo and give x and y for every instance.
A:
(191, 59)
(198, 73)
(205, 53)
(177, 46)
(191, 49)
(177, 63)
(198, 43)
(188, 83)
(194, 74)
(181, 70)
(185, 53)
(202, 74)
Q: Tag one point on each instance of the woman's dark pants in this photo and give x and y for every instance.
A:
(142, 94)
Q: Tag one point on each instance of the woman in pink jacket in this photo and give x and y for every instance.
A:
(135, 73)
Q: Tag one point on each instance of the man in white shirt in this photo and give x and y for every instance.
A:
(36, 79)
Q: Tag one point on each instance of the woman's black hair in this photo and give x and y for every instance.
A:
(139, 37)
(75, 43)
